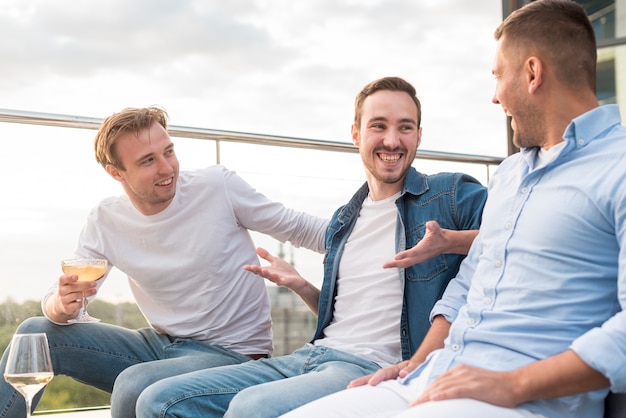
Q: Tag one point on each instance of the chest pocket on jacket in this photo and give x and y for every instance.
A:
(428, 269)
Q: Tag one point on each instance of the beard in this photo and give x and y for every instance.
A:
(528, 130)
(524, 139)
(391, 176)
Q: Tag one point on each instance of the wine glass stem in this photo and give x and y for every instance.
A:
(28, 406)
(84, 305)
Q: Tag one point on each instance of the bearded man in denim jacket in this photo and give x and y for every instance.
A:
(421, 200)
(371, 312)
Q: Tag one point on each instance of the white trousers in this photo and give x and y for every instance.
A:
(379, 402)
(391, 399)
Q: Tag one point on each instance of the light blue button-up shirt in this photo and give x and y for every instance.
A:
(547, 272)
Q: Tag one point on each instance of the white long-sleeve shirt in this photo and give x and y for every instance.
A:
(185, 264)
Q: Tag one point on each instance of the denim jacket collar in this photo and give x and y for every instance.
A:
(414, 183)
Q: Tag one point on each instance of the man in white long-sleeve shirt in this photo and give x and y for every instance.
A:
(182, 238)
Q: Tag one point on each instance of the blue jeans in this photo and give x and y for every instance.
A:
(262, 388)
(114, 359)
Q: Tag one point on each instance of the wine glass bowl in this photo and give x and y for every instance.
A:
(87, 269)
(29, 367)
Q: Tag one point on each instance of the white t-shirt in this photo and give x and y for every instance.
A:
(368, 304)
(544, 157)
(184, 264)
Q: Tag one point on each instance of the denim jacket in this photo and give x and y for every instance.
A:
(455, 200)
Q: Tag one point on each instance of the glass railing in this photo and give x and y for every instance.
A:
(51, 181)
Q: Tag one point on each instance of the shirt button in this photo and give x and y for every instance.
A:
(581, 142)
(487, 300)
(524, 190)
(498, 263)
(455, 347)
(508, 225)
(471, 321)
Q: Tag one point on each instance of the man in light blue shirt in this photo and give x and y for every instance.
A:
(533, 325)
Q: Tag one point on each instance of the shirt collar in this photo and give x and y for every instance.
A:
(591, 125)
(415, 183)
(583, 129)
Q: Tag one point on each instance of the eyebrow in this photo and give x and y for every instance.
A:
(143, 157)
(151, 154)
(384, 119)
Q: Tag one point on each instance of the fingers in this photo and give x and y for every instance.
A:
(433, 226)
(463, 381)
(410, 366)
(70, 293)
(361, 381)
(253, 268)
(71, 286)
(381, 375)
(401, 261)
(264, 272)
(264, 254)
(259, 270)
(425, 249)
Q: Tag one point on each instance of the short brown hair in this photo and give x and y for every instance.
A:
(561, 32)
(385, 83)
(129, 120)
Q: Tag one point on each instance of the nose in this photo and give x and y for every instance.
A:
(164, 166)
(392, 138)
(494, 99)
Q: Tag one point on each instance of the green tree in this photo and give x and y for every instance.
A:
(64, 392)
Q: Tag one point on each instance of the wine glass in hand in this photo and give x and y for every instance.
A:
(29, 367)
(87, 269)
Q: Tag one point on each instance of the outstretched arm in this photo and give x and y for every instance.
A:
(436, 241)
(283, 274)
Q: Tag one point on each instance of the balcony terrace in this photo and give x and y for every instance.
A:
(54, 181)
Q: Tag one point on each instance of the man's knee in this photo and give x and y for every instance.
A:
(149, 403)
(34, 325)
(123, 381)
(129, 384)
(252, 402)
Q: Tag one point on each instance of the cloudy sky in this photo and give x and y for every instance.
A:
(279, 67)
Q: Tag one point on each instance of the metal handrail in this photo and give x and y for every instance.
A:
(71, 410)
(83, 122)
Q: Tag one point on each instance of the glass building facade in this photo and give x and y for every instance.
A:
(608, 18)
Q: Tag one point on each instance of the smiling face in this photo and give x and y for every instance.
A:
(514, 94)
(387, 138)
(150, 168)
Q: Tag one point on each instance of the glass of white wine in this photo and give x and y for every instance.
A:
(29, 367)
(87, 270)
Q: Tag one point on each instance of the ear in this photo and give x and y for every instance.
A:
(114, 172)
(356, 138)
(534, 74)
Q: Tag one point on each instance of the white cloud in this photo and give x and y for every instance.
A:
(279, 67)
(268, 66)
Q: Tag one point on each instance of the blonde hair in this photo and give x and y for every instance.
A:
(129, 120)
